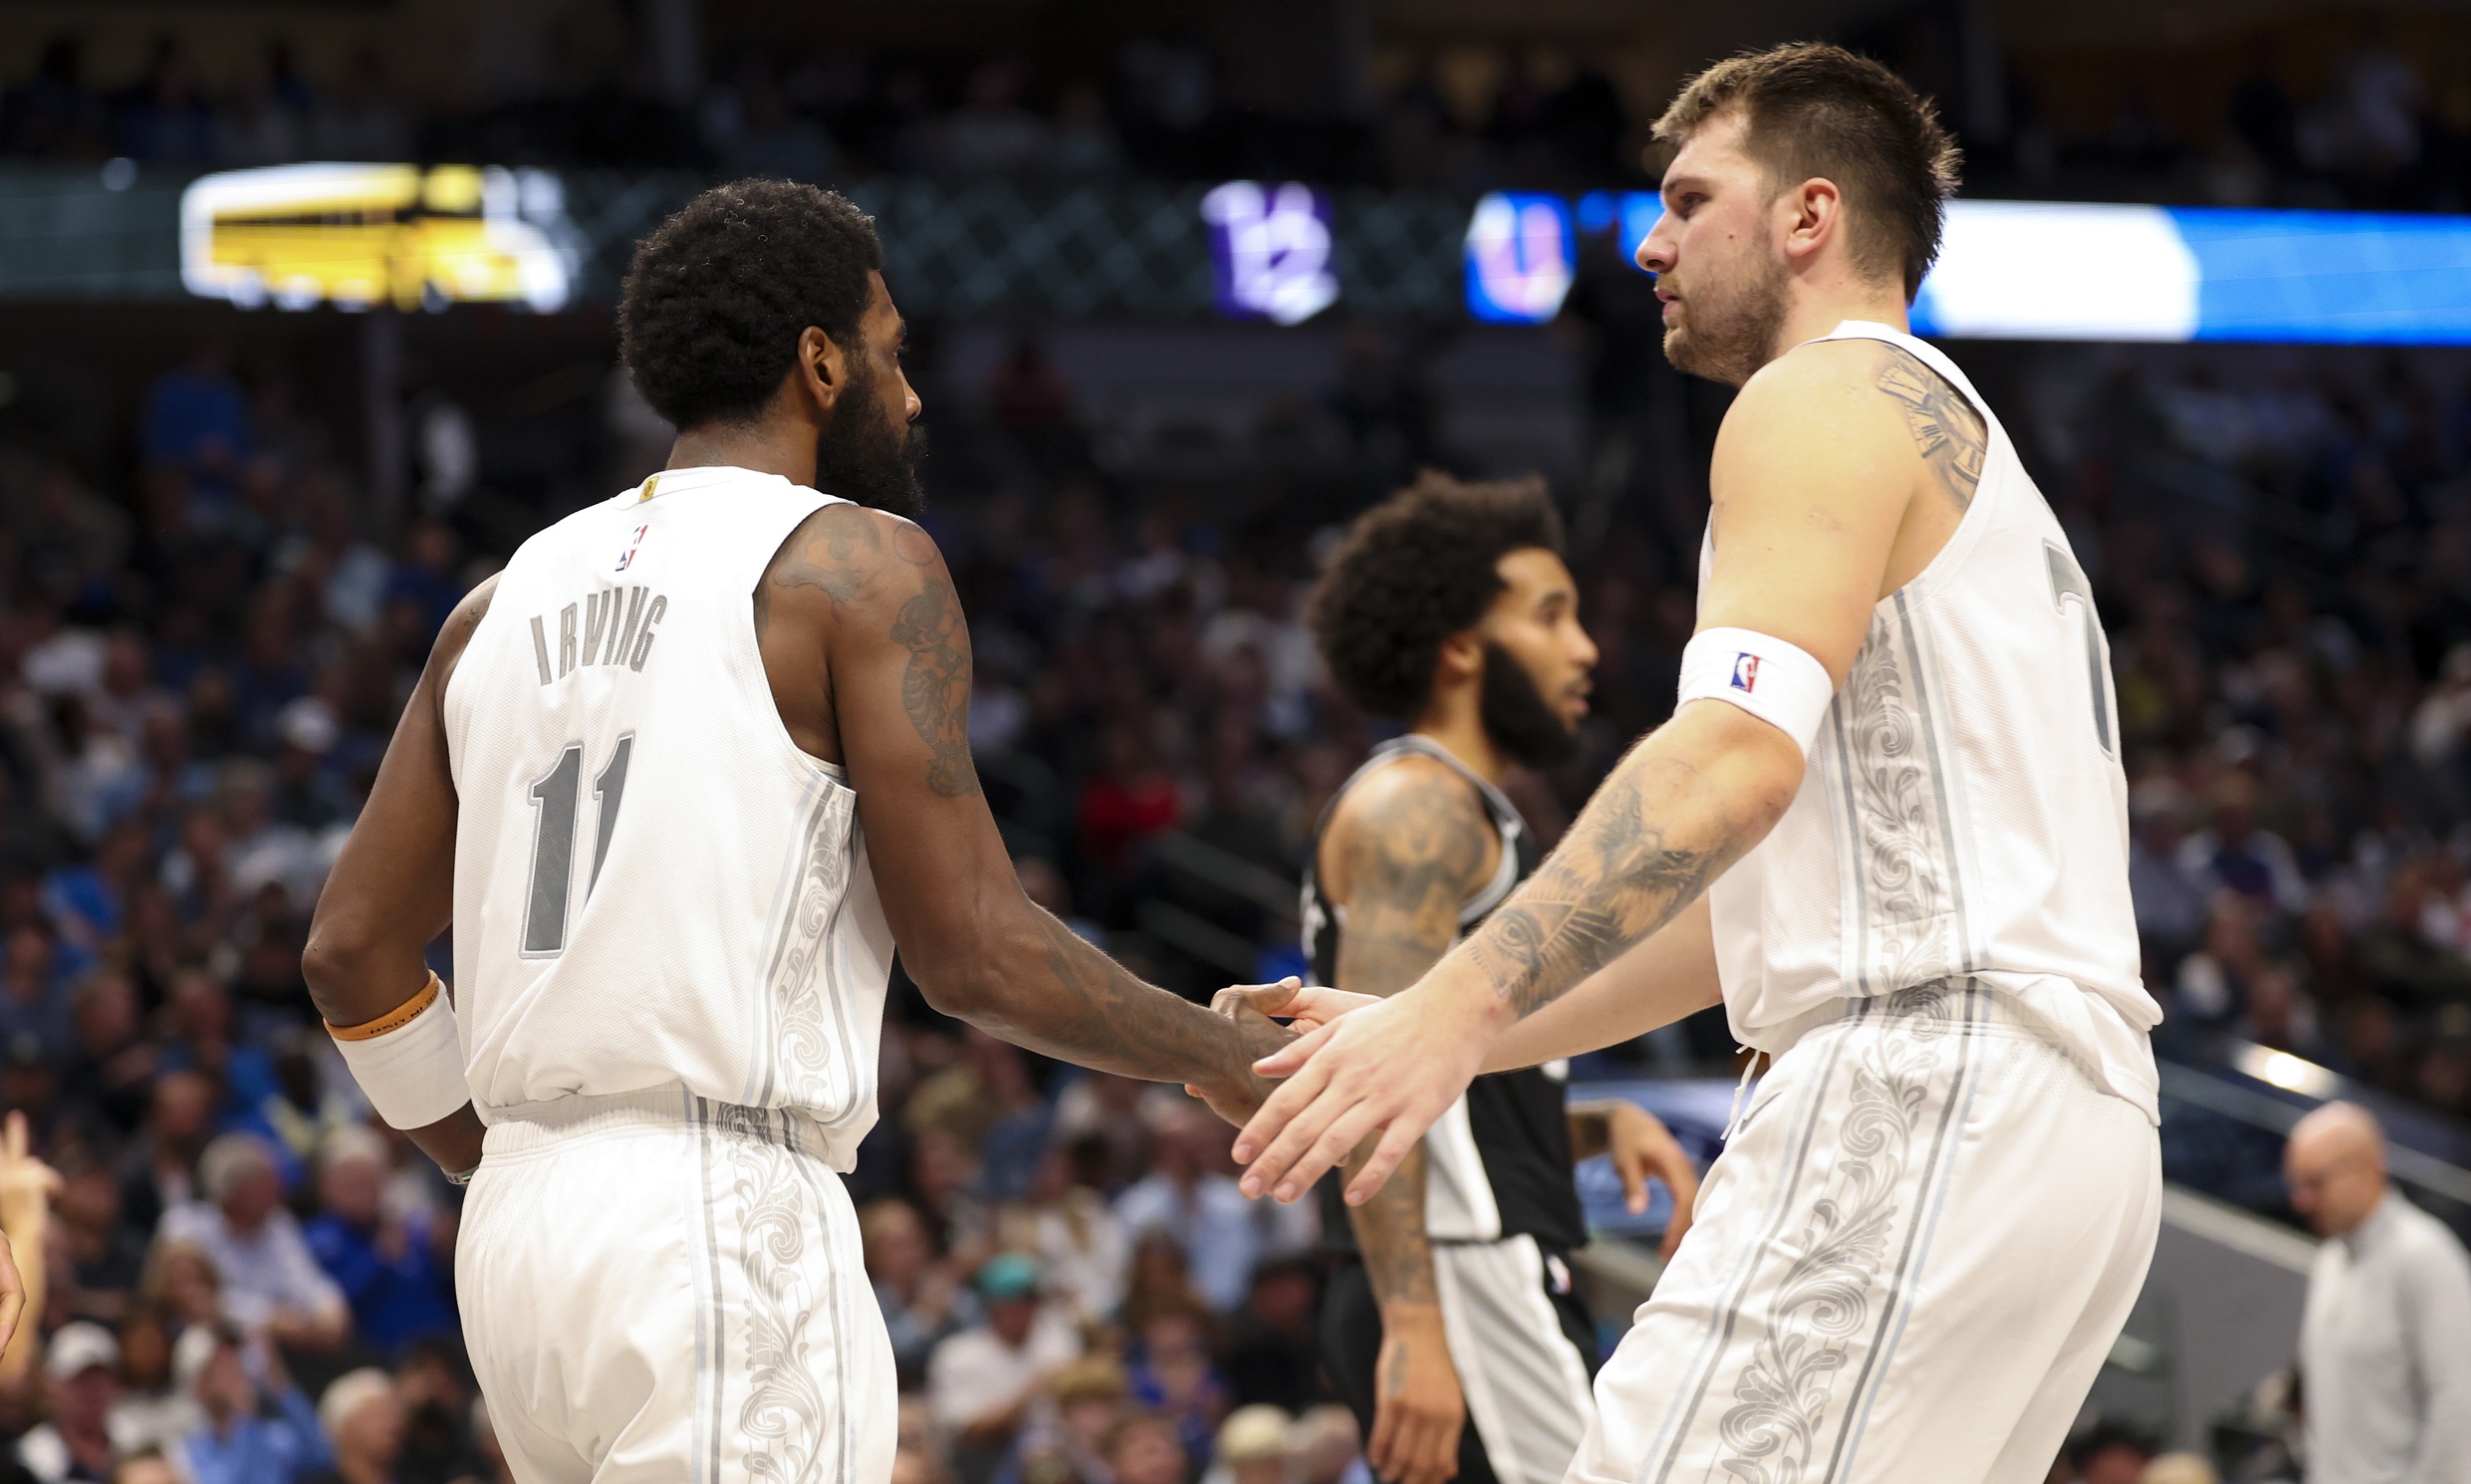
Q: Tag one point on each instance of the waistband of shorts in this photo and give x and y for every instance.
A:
(526, 1127)
(2113, 1054)
(1981, 1006)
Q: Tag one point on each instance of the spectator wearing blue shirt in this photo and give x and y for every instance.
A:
(391, 1270)
(197, 419)
(259, 1428)
(34, 999)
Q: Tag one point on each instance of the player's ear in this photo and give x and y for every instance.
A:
(1461, 656)
(1816, 213)
(822, 368)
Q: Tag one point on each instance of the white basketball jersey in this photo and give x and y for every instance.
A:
(1963, 812)
(653, 886)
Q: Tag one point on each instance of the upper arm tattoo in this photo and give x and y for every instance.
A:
(1946, 427)
(828, 552)
(1413, 856)
(837, 551)
(935, 685)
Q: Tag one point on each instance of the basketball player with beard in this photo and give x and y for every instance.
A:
(683, 778)
(1450, 609)
(1886, 827)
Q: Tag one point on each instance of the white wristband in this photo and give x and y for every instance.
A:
(1775, 681)
(411, 1060)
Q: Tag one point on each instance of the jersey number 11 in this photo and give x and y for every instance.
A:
(556, 798)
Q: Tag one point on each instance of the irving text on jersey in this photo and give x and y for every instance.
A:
(612, 626)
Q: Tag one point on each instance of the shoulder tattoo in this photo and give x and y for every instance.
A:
(1946, 428)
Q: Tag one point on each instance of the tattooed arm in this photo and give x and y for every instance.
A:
(393, 890)
(1405, 848)
(1828, 492)
(867, 594)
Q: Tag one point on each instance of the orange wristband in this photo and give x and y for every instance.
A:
(395, 1019)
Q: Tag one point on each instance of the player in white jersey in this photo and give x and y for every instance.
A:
(1885, 827)
(681, 778)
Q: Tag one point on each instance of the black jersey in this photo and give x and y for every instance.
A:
(1499, 1161)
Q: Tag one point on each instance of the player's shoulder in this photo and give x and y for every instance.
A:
(1813, 375)
(1824, 399)
(856, 555)
(1416, 803)
(463, 622)
(845, 532)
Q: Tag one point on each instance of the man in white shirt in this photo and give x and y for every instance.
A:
(980, 1381)
(2386, 1344)
(271, 1282)
(1189, 1196)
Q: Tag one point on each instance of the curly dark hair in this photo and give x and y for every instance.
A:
(1414, 570)
(717, 295)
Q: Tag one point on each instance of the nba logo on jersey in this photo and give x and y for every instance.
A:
(1745, 673)
(635, 542)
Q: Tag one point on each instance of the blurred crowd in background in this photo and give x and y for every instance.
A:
(2370, 129)
(207, 632)
(201, 658)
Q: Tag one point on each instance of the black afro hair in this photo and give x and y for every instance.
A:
(718, 295)
(1414, 570)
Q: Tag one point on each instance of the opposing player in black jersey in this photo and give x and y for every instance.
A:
(1450, 609)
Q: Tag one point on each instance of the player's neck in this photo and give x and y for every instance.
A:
(768, 445)
(1818, 311)
(1460, 731)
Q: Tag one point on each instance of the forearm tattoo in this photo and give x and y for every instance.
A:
(1390, 1228)
(1095, 1012)
(1615, 878)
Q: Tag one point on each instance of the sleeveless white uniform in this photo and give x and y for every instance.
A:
(669, 973)
(1931, 1224)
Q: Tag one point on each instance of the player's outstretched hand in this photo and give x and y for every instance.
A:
(1236, 1097)
(1307, 1006)
(1396, 1065)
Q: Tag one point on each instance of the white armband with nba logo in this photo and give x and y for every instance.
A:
(1777, 682)
(408, 1060)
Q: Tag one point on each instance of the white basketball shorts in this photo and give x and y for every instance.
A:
(1908, 1265)
(656, 1287)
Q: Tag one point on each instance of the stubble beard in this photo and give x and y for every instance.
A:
(1726, 332)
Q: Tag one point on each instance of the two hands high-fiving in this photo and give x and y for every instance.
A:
(1354, 1064)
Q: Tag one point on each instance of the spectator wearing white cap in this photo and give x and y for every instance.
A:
(364, 1422)
(271, 1282)
(2386, 1339)
(80, 1381)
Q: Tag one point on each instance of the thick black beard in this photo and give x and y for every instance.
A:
(861, 455)
(1517, 716)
